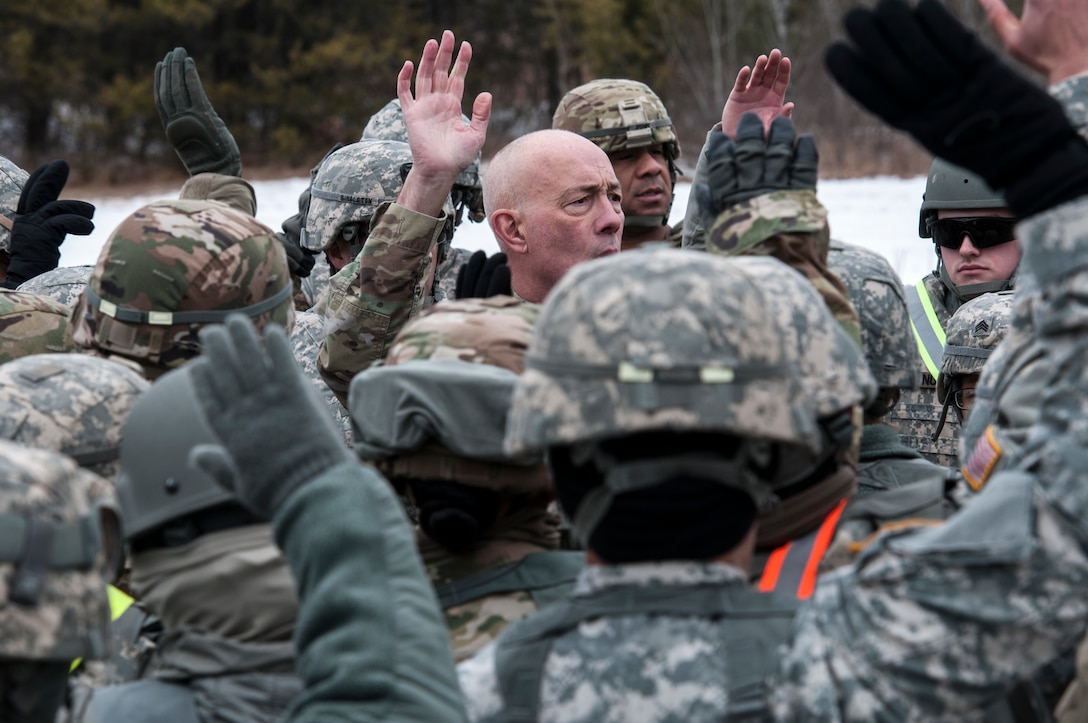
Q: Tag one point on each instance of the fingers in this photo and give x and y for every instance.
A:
(425, 74)
(193, 89)
(404, 85)
(456, 84)
(481, 113)
(218, 367)
(1002, 20)
(252, 361)
(441, 75)
(284, 366)
(758, 70)
(179, 94)
(44, 186)
(782, 77)
(743, 76)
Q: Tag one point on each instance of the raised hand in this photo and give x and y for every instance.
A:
(1049, 36)
(761, 90)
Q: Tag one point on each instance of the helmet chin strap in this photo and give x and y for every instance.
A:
(966, 292)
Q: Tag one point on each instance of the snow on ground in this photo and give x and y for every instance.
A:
(878, 213)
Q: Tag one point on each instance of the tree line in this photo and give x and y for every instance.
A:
(293, 77)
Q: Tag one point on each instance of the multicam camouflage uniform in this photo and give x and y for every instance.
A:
(53, 571)
(454, 368)
(32, 324)
(12, 180)
(613, 355)
(306, 338)
(63, 284)
(170, 268)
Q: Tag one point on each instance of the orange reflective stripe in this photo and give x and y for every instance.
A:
(773, 568)
(823, 541)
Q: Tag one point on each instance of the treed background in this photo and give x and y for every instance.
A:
(293, 77)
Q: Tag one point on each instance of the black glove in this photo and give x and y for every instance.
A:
(276, 434)
(751, 166)
(299, 261)
(194, 129)
(41, 223)
(923, 72)
(483, 276)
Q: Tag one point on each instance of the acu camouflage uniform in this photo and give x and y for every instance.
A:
(12, 180)
(32, 324)
(306, 338)
(453, 369)
(63, 284)
(170, 268)
(750, 353)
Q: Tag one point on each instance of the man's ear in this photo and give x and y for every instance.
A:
(508, 230)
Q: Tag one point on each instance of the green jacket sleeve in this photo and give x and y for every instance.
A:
(372, 644)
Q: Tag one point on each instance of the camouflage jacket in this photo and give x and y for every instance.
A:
(373, 297)
(306, 337)
(640, 665)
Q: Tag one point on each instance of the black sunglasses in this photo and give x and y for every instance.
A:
(985, 231)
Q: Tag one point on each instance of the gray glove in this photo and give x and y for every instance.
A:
(751, 166)
(276, 434)
(194, 129)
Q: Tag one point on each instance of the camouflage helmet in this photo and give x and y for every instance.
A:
(53, 572)
(157, 484)
(952, 187)
(32, 324)
(886, 333)
(973, 333)
(69, 403)
(63, 284)
(172, 267)
(452, 371)
(468, 192)
(349, 186)
(12, 180)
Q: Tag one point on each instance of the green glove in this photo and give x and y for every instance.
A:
(276, 434)
(194, 129)
(751, 166)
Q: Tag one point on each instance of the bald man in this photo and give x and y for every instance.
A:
(551, 197)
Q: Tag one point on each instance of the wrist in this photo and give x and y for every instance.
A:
(425, 191)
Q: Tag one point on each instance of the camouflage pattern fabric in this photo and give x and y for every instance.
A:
(63, 284)
(617, 114)
(694, 231)
(306, 338)
(495, 330)
(877, 294)
(177, 258)
(477, 624)
(616, 668)
(973, 333)
(314, 289)
(1072, 93)
(70, 403)
(387, 124)
(445, 279)
(373, 297)
(67, 617)
(12, 180)
(916, 415)
(32, 324)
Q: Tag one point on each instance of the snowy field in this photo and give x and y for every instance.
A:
(878, 213)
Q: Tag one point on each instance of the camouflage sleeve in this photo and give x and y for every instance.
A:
(480, 686)
(375, 295)
(694, 234)
(371, 641)
(1073, 94)
(937, 624)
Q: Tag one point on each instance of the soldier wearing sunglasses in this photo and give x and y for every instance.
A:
(974, 237)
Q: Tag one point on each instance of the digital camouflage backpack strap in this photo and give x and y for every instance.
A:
(547, 576)
(758, 623)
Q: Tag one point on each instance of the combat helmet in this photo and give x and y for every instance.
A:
(447, 383)
(468, 192)
(751, 353)
(69, 403)
(886, 334)
(617, 114)
(32, 324)
(12, 180)
(349, 186)
(973, 333)
(172, 267)
(53, 565)
(158, 486)
(950, 187)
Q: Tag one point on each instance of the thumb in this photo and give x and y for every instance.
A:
(214, 461)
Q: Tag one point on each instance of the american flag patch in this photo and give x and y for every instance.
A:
(982, 460)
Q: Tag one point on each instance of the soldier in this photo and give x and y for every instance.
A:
(552, 197)
(55, 565)
(890, 348)
(631, 124)
(306, 336)
(977, 253)
(208, 570)
(487, 538)
(33, 324)
(171, 267)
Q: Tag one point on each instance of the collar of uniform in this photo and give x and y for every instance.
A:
(595, 578)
